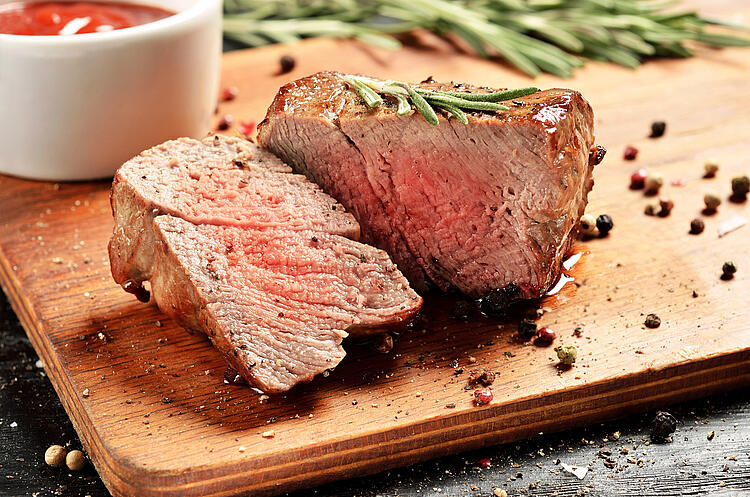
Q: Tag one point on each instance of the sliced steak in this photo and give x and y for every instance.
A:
(478, 207)
(220, 180)
(260, 259)
(275, 302)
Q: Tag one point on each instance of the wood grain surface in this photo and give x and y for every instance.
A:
(148, 399)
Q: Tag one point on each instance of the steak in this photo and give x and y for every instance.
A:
(478, 207)
(261, 260)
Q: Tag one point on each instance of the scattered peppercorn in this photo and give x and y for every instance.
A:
(545, 336)
(287, 63)
(653, 183)
(740, 187)
(498, 301)
(55, 456)
(727, 270)
(588, 225)
(567, 354)
(384, 343)
(650, 210)
(247, 128)
(697, 226)
(75, 460)
(527, 328)
(665, 207)
(483, 376)
(657, 129)
(630, 153)
(652, 321)
(712, 201)
(638, 179)
(225, 122)
(484, 463)
(482, 396)
(604, 224)
(229, 93)
(663, 425)
(710, 167)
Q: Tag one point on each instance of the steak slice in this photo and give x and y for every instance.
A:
(220, 180)
(275, 302)
(260, 259)
(478, 207)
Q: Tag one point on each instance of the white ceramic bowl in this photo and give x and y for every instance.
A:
(76, 107)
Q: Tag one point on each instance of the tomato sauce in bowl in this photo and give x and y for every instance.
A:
(70, 18)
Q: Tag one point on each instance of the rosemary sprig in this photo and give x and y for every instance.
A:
(533, 35)
(424, 100)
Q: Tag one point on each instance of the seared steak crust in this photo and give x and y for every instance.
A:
(474, 207)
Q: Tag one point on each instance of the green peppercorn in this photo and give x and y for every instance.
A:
(728, 270)
(567, 354)
(740, 186)
(652, 321)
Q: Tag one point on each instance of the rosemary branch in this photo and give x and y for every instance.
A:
(424, 100)
(533, 35)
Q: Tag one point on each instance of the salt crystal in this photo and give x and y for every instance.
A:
(731, 224)
(578, 471)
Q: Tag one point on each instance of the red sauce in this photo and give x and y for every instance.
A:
(68, 18)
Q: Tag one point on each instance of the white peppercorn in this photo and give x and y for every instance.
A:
(75, 460)
(712, 201)
(55, 456)
(588, 225)
(710, 168)
(653, 183)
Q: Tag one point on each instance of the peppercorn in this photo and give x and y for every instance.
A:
(652, 321)
(604, 224)
(567, 354)
(650, 210)
(665, 207)
(740, 187)
(657, 129)
(499, 300)
(229, 93)
(588, 225)
(630, 153)
(545, 336)
(287, 63)
(485, 463)
(482, 396)
(727, 270)
(663, 425)
(246, 128)
(75, 460)
(483, 376)
(527, 328)
(697, 226)
(225, 122)
(710, 167)
(638, 179)
(55, 456)
(653, 183)
(712, 201)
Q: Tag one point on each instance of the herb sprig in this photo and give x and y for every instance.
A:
(533, 35)
(425, 101)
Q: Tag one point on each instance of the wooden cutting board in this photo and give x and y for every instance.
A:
(148, 399)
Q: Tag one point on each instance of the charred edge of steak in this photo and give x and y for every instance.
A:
(596, 155)
(499, 301)
(137, 289)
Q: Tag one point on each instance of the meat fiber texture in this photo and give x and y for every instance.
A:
(261, 260)
(479, 207)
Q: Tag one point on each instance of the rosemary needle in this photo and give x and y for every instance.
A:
(423, 107)
(463, 103)
(368, 94)
(457, 113)
(497, 96)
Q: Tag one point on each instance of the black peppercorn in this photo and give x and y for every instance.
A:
(728, 270)
(287, 64)
(498, 301)
(657, 129)
(652, 321)
(604, 224)
(697, 226)
(663, 425)
(527, 328)
(461, 309)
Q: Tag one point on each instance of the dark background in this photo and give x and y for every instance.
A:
(692, 464)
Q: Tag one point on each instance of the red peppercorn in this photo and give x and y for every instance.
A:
(482, 396)
(638, 179)
(247, 127)
(484, 463)
(630, 153)
(225, 122)
(229, 93)
(545, 336)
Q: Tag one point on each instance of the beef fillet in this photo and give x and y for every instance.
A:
(478, 207)
(259, 259)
